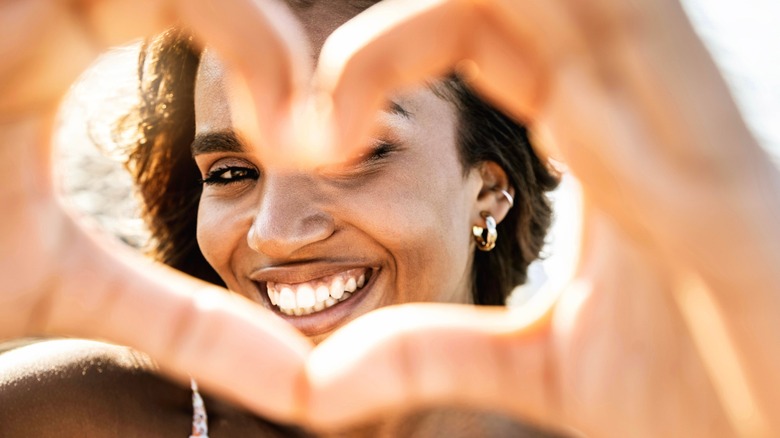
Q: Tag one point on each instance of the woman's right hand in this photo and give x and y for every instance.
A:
(59, 278)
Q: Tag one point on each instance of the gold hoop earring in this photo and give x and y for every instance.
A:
(489, 241)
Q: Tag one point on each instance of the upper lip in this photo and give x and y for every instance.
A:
(302, 273)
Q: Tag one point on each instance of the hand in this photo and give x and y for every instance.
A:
(680, 208)
(56, 277)
(562, 363)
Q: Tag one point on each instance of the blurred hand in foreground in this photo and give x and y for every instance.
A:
(680, 202)
(58, 278)
(679, 226)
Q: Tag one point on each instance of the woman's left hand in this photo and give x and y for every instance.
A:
(679, 227)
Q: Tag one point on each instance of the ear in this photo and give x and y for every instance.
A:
(491, 198)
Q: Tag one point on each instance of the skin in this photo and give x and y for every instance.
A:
(680, 202)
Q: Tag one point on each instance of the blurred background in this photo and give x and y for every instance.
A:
(743, 37)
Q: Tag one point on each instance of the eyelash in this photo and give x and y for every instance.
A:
(379, 152)
(215, 177)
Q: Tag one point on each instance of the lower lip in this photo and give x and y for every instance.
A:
(333, 317)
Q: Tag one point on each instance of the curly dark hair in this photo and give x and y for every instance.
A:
(168, 179)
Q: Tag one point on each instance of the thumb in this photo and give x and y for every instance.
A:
(417, 355)
(187, 326)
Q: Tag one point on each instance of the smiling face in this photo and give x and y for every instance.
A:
(321, 247)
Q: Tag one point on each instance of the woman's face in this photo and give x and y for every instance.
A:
(321, 247)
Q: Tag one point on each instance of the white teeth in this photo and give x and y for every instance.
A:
(272, 294)
(305, 296)
(314, 296)
(337, 288)
(287, 298)
(322, 293)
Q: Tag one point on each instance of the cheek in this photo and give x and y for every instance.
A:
(433, 255)
(220, 233)
(422, 220)
(438, 259)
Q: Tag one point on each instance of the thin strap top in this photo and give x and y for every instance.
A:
(200, 427)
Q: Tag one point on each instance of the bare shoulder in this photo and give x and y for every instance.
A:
(86, 388)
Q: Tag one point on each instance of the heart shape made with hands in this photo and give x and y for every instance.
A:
(611, 354)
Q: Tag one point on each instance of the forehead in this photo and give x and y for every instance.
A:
(319, 19)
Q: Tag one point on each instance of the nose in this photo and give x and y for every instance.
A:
(289, 217)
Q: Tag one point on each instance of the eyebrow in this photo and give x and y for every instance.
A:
(229, 141)
(220, 141)
(395, 108)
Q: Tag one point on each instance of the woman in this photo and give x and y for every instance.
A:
(626, 93)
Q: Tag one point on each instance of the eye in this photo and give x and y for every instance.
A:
(379, 152)
(370, 161)
(373, 159)
(230, 174)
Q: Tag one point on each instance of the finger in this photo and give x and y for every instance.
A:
(269, 61)
(234, 348)
(34, 72)
(260, 40)
(418, 355)
(398, 43)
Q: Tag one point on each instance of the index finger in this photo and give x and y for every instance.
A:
(399, 43)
